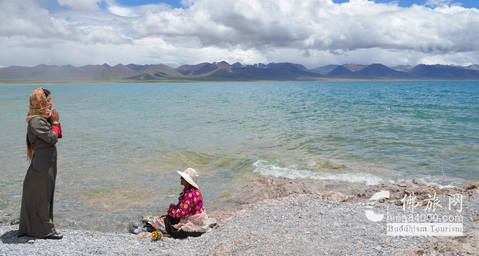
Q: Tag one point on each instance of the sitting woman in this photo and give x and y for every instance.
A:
(187, 218)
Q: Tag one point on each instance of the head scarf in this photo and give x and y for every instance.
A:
(39, 105)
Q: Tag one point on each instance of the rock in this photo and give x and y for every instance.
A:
(471, 185)
(416, 186)
(472, 192)
(336, 196)
(420, 182)
(211, 222)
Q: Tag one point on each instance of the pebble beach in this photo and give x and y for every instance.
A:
(292, 222)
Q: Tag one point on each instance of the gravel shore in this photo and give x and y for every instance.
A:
(298, 224)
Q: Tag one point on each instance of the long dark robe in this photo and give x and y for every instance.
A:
(36, 216)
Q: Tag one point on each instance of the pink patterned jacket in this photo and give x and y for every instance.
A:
(190, 203)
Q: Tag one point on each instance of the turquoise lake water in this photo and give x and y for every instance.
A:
(122, 143)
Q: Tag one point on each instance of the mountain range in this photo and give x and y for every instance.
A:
(222, 71)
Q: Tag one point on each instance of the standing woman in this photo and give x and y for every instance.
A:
(36, 215)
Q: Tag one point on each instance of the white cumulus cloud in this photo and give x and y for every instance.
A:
(310, 32)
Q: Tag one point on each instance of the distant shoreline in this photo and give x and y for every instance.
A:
(231, 81)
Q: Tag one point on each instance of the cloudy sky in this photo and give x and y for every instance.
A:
(175, 32)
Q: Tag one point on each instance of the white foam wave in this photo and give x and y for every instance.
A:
(265, 168)
(442, 183)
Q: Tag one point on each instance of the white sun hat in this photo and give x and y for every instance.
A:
(191, 176)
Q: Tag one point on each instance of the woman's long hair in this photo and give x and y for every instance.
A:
(30, 149)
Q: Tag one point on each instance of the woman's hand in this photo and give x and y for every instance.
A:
(55, 117)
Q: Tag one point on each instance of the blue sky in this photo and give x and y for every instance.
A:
(408, 3)
(53, 5)
(402, 3)
(309, 32)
